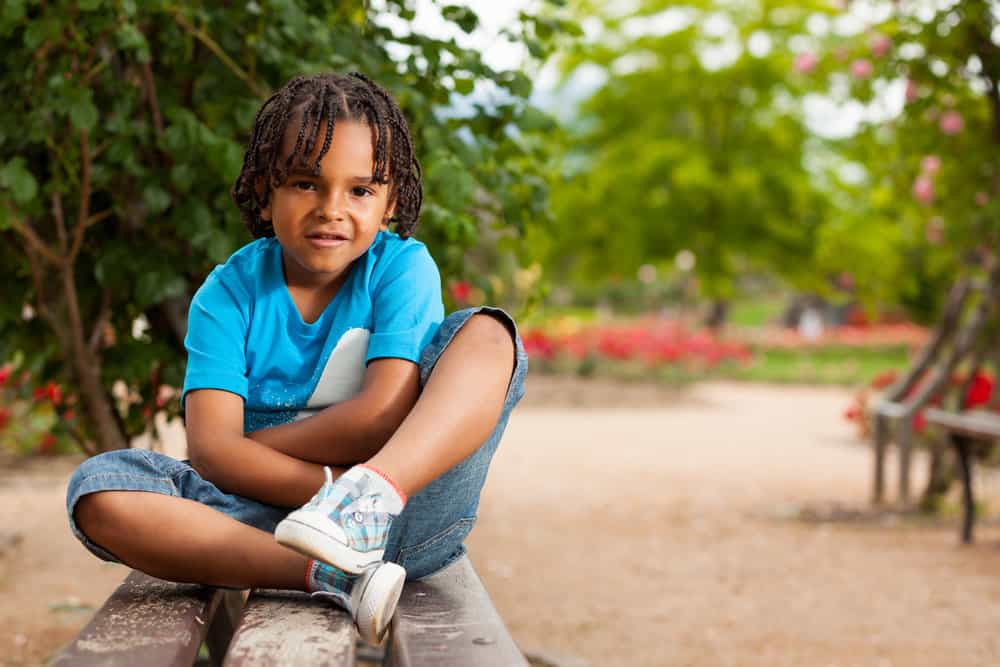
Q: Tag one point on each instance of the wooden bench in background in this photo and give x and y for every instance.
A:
(445, 619)
(965, 430)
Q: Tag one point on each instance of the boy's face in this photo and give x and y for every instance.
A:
(327, 221)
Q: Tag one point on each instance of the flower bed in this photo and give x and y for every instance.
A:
(650, 343)
(658, 348)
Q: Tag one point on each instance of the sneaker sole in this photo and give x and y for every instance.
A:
(378, 602)
(304, 533)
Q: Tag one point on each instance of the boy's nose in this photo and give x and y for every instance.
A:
(330, 207)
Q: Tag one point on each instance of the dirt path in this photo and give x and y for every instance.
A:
(626, 525)
(626, 532)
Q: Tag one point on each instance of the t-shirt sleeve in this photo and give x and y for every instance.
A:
(407, 306)
(216, 338)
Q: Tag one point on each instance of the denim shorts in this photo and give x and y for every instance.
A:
(427, 536)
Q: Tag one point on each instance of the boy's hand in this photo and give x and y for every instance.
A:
(354, 430)
(222, 455)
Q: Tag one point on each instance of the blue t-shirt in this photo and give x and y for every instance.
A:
(246, 336)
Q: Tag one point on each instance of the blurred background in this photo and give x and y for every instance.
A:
(727, 229)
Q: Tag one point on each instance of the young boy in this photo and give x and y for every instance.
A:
(318, 358)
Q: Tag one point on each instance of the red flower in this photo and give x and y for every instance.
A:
(53, 393)
(47, 444)
(980, 392)
(5, 372)
(50, 392)
(4, 418)
(460, 291)
(884, 379)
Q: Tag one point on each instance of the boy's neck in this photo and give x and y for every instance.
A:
(311, 297)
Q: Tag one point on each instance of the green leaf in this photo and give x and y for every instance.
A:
(157, 199)
(89, 5)
(16, 177)
(464, 85)
(83, 114)
(463, 16)
(131, 38)
(11, 14)
(517, 83)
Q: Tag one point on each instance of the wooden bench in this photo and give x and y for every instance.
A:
(965, 429)
(958, 340)
(445, 619)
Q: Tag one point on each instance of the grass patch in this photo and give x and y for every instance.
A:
(830, 365)
(755, 313)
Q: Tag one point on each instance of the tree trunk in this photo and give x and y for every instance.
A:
(87, 369)
(717, 315)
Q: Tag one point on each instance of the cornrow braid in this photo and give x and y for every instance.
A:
(309, 101)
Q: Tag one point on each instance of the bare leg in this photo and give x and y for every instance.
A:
(182, 540)
(457, 409)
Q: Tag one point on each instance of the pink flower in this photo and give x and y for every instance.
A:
(805, 62)
(912, 93)
(923, 189)
(879, 45)
(982, 198)
(951, 122)
(931, 164)
(861, 68)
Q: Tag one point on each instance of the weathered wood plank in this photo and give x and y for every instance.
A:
(290, 628)
(448, 620)
(146, 621)
(972, 424)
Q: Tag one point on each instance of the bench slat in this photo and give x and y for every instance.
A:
(448, 619)
(973, 424)
(290, 628)
(146, 621)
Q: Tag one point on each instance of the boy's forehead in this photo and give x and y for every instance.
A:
(364, 150)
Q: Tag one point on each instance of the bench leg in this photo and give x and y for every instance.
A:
(881, 441)
(963, 447)
(224, 623)
(904, 440)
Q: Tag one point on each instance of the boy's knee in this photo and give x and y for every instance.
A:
(95, 512)
(490, 333)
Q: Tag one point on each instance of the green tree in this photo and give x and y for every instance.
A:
(925, 195)
(694, 142)
(122, 131)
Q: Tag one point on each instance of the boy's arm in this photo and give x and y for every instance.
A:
(222, 455)
(354, 430)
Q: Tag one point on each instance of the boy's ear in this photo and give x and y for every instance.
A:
(389, 212)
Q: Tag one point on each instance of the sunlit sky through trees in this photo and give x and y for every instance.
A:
(825, 116)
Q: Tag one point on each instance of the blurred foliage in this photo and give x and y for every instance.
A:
(687, 149)
(922, 200)
(697, 140)
(123, 131)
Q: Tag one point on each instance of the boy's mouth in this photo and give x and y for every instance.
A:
(326, 239)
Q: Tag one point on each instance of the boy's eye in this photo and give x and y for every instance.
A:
(303, 185)
(359, 191)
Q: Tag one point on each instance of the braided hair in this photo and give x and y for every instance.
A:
(309, 101)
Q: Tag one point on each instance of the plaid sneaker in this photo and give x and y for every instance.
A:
(370, 598)
(347, 522)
